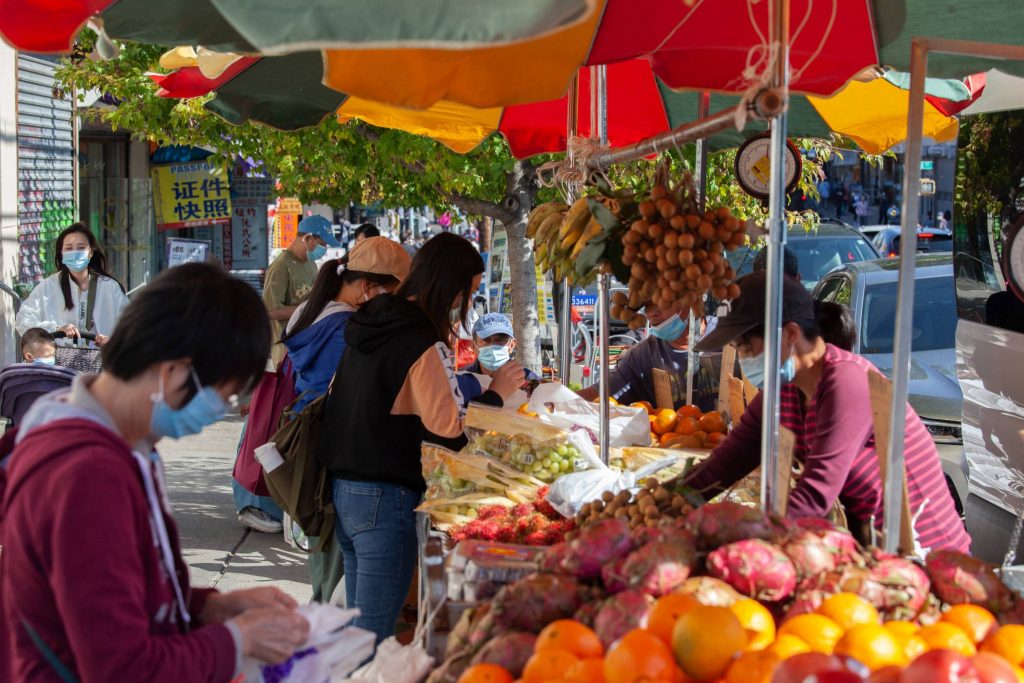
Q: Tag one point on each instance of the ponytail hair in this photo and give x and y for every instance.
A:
(333, 275)
(835, 324)
(97, 264)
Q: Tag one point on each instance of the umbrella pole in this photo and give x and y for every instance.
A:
(599, 114)
(700, 177)
(893, 493)
(779, 39)
(565, 320)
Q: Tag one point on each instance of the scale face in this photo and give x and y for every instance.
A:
(753, 166)
(1013, 258)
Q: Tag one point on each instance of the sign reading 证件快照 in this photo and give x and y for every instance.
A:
(191, 194)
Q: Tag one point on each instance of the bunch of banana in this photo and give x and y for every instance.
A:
(548, 213)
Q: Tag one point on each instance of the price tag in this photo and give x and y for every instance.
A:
(663, 390)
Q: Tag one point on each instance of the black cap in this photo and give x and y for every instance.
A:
(747, 310)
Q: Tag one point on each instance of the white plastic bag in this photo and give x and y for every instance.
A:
(332, 650)
(627, 426)
(393, 663)
(572, 491)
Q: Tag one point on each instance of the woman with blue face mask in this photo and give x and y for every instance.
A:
(666, 348)
(825, 402)
(112, 601)
(61, 301)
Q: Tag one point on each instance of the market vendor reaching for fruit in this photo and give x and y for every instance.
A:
(667, 348)
(495, 342)
(825, 401)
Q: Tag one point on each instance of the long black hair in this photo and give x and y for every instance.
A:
(442, 270)
(196, 311)
(97, 264)
(326, 288)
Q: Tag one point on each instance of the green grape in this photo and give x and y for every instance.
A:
(563, 449)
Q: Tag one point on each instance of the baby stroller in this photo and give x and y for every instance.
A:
(22, 383)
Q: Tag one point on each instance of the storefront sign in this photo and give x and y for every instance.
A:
(190, 195)
(249, 233)
(181, 251)
(286, 222)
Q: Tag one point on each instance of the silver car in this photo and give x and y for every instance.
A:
(869, 289)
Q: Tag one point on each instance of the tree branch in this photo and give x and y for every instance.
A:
(480, 207)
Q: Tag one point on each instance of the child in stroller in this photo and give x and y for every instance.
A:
(22, 383)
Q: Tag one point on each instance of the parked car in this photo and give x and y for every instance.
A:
(818, 252)
(871, 231)
(869, 289)
(929, 241)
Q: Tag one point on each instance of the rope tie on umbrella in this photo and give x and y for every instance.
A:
(565, 174)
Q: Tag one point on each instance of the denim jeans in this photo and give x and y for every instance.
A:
(377, 532)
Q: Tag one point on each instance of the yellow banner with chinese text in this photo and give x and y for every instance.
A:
(191, 194)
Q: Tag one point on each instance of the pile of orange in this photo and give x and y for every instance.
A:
(684, 641)
(687, 427)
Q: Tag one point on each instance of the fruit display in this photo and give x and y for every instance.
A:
(453, 475)
(675, 254)
(646, 508)
(687, 427)
(534, 523)
(709, 598)
(546, 460)
(562, 235)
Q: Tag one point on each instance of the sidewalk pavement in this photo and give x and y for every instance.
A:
(220, 552)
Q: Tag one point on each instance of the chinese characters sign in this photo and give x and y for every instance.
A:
(286, 221)
(249, 234)
(192, 194)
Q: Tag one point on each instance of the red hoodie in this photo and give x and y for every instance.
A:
(80, 564)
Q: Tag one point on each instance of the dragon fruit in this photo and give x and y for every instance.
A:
(809, 554)
(612, 576)
(958, 579)
(510, 650)
(534, 601)
(710, 591)
(718, 524)
(595, 546)
(551, 563)
(755, 568)
(815, 523)
(897, 587)
(813, 590)
(620, 614)
(587, 613)
(659, 567)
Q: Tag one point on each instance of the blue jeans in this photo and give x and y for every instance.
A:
(376, 530)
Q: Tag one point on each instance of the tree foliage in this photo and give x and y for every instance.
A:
(991, 164)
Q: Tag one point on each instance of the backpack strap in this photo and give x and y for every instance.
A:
(59, 668)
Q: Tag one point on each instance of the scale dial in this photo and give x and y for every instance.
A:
(753, 166)
(1013, 258)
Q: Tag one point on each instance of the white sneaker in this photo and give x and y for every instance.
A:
(258, 520)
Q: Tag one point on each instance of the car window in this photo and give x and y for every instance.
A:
(828, 289)
(845, 294)
(927, 243)
(934, 316)
(817, 257)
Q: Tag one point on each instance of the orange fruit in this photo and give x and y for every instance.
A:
(687, 425)
(907, 628)
(714, 438)
(639, 656)
(700, 435)
(1007, 642)
(819, 632)
(666, 612)
(646, 405)
(706, 640)
(670, 439)
(757, 621)
(572, 636)
(689, 411)
(848, 610)
(1019, 672)
(486, 673)
(753, 667)
(547, 664)
(586, 671)
(786, 645)
(975, 621)
(712, 422)
(913, 645)
(664, 421)
(945, 636)
(872, 645)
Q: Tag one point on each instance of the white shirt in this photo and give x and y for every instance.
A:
(44, 307)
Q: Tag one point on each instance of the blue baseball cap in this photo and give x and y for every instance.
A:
(318, 226)
(492, 324)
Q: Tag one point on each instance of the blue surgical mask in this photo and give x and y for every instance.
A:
(753, 370)
(671, 329)
(46, 360)
(493, 357)
(205, 408)
(77, 260)
(318, 252)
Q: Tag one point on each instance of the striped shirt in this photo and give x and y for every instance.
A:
(835, 442)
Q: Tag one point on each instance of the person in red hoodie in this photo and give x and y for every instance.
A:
(92, 584)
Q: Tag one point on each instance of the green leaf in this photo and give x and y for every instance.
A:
(603, 214)
(591, 255)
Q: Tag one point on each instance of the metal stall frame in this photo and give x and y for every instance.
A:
(920, 48)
